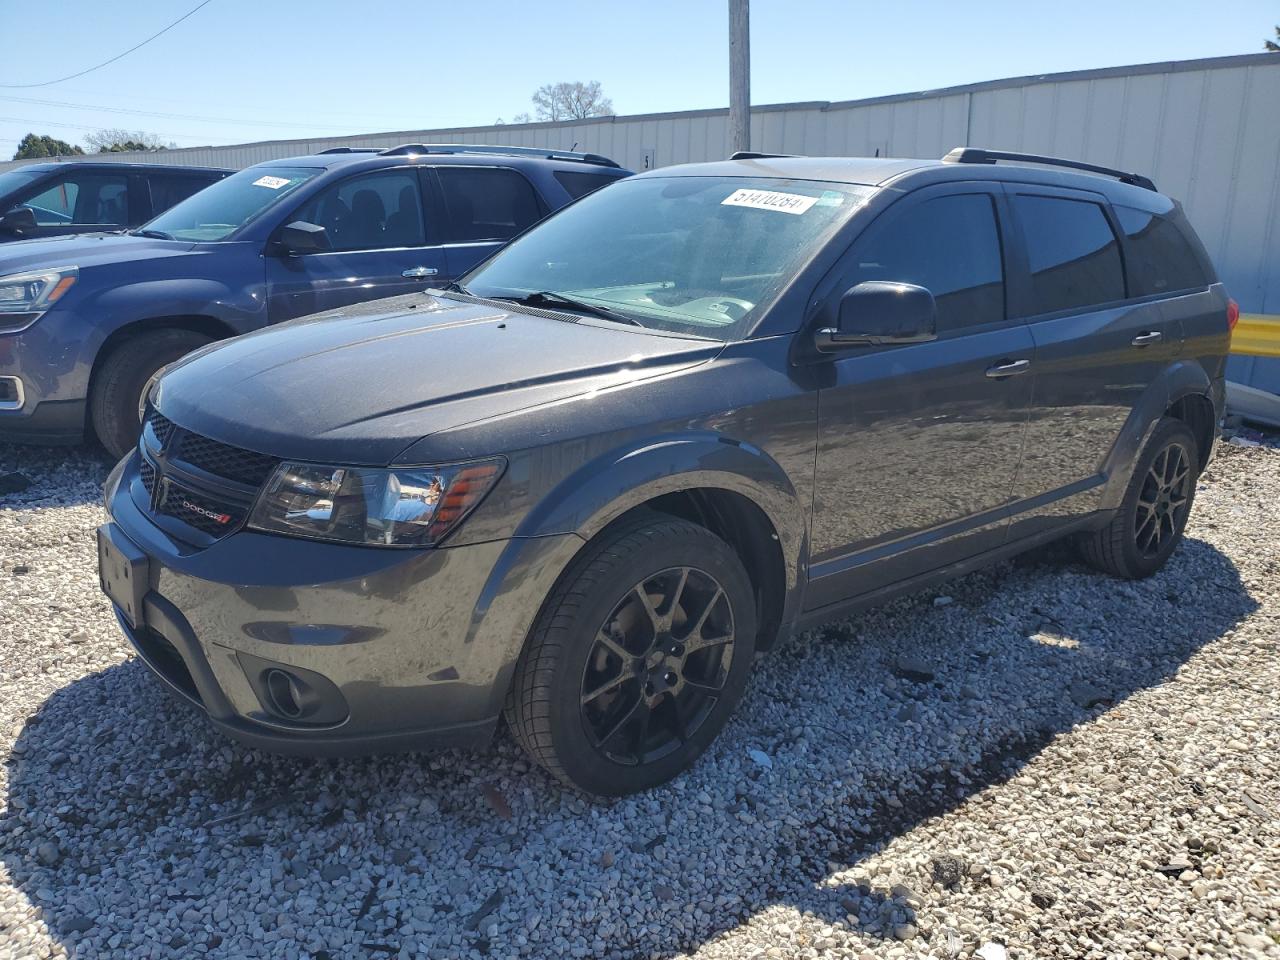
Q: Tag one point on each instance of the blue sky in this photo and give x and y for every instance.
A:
(243, 70)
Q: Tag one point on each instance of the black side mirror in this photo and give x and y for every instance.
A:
(879, 312)
(20, 221)
(302, 237)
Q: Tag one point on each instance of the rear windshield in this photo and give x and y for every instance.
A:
(218, 211)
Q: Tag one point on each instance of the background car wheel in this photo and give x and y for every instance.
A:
(1151, 519)
(638, 658)
(118, 383)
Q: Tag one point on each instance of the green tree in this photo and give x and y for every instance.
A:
(1271, 45)
(34, 146)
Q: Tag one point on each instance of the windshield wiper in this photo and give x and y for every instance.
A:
(453, 286)
(542, 297)
(154, 234)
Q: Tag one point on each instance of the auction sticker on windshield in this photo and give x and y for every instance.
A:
(769, 200)
(275, 183)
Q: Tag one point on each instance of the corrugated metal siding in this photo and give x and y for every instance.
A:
(1204, 130)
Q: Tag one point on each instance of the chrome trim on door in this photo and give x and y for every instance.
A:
(1147, 338)
(419, 273)
(1008, 368)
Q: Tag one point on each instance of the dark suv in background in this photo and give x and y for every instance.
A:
(81, 196)
(86, 322)
(677, 421)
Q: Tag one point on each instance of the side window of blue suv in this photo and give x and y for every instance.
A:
(374, 211)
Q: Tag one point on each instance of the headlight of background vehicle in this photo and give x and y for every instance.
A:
(24, 297)
(407, 507)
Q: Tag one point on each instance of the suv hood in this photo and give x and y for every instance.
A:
(359, 386)
(85, 250)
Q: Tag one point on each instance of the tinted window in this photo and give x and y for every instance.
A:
(170, 189)
(370, 212)
(580, 184)
(1160, 258)
(951, 245)
(487, 203)
(83, 198)
(1072, 252)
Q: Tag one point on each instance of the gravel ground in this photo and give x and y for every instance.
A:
(1037, 760)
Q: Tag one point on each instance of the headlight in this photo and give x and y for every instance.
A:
(25, 296)
(408, 507)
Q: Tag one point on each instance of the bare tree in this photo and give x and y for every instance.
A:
(117, 140)
(572, 101)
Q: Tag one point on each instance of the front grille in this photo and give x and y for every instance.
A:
(208, 485)
(211, 515)
(242, 466)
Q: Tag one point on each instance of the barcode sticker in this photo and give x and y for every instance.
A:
(275, 183)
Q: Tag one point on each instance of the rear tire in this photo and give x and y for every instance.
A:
(1153, 515)
(121, 376)
(637, 659)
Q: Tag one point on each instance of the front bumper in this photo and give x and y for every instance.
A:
(401, 649)
(51, 422)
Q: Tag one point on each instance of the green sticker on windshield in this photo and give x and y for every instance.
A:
(830, 198)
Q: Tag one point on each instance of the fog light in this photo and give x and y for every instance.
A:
(288, 694)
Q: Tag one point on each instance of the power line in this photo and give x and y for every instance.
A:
(138, 46)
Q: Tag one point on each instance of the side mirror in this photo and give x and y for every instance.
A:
(19, 221)
(880, 312)
(302, 237)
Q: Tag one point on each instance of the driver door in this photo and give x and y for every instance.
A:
(918, 444)
(383, 242)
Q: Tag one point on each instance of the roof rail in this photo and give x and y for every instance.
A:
(350, 150)
(408, 149)
(752, 155)
(978, 155)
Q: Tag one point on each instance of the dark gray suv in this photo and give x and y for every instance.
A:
(676, 422)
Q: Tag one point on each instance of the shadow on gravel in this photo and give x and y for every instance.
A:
(137, 831)
(36, 477)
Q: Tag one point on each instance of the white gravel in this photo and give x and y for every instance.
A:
(1049, 762)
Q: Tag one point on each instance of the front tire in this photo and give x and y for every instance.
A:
(120, 378)
(1153, 515)
(638, 658)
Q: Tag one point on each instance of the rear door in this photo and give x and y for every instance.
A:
(918, 444)
(383, 241)
(80, 201)
(1096, 350)
(486, 207)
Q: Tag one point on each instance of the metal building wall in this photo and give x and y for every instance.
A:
(1204, 130)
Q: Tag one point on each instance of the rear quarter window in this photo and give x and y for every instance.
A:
(1072, 253)
(1160, 257)
(579, 184)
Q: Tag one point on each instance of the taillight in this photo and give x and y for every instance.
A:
(1233, 314)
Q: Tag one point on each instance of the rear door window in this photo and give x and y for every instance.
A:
(374, 211)
(487, 203)
(1160, 257)
(949, 245)
(1072, 253)
(169, 189)
(88, 197)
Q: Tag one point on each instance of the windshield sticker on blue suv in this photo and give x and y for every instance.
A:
(769, 200)
(831, 198)
(275, 183)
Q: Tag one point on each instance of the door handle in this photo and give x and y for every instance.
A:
(1148, 338)
(419, 273)
(1008, 368)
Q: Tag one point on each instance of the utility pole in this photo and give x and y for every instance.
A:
(739, 75)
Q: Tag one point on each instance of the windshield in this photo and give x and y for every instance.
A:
(11, 180)
(221, 209)
(692, 255)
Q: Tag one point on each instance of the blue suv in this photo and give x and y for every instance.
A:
(86, 322)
